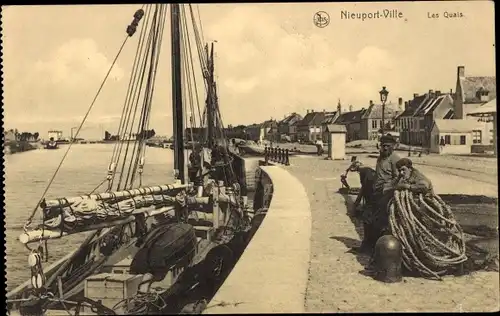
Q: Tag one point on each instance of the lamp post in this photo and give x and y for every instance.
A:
(72, 132)
(383, 99)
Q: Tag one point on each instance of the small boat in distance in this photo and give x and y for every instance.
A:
(51, 144)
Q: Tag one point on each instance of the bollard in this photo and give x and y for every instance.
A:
(266, 155)
(287, 159)
(280, 156)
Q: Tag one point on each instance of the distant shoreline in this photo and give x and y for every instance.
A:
(13, 147)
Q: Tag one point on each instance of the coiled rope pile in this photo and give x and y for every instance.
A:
(433, 242)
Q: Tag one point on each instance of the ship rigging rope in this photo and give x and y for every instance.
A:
(433, 241)
(132, 106)
(30, 218)
(145, 64)
(132, 84)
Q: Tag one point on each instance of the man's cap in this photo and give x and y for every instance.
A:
(387, 139)
(404, 162)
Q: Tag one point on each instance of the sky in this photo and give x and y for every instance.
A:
(271, 59)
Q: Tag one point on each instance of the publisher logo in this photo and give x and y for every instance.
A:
(321, 19)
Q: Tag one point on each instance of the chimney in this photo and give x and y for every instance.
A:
(371, 102)
(438, 93)
(339, 107)
(461, 71)
(400, 102)
(406, 104)
(350, 108)
(307, 111)
(415, 95)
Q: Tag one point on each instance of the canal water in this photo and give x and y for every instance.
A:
(27, 175)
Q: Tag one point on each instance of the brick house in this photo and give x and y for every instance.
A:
(472, 92)
(371, 120)
(352, 122)
(288, 126)
(267, 130)
(310, 128)
(437, 106)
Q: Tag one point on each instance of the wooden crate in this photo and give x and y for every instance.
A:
(111, 288)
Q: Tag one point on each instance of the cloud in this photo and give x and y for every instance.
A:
(63, 85)
(77, 62)
(269, 68)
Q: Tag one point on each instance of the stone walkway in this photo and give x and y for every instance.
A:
(335, 282)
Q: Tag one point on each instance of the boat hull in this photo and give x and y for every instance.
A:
(51, 145)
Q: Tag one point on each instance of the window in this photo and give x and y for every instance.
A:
(374, 124)
(437, 139)
(476, 137)
(462, 139)
(491, 136)
(447, 139)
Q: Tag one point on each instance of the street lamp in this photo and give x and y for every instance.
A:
(383, 99)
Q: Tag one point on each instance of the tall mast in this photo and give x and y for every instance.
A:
(177, 91)
(210, 97)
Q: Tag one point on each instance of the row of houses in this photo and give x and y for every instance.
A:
(435, 120)
(360, 124)
(440, 121)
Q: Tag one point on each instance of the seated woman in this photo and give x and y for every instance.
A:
(411, 179)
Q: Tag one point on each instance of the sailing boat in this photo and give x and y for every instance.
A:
(151, 242)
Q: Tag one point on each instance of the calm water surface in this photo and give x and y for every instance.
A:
(27, 175)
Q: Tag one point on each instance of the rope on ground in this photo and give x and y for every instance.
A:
(433, 242)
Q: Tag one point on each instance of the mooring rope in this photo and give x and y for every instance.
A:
(433, 242)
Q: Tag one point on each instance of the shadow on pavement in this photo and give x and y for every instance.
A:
(351, 243)
(477, 215)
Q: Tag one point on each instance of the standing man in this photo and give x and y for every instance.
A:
(319, 147)
(367, 178)
(194, 167)
(387, 176)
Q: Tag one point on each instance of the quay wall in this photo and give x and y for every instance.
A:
(272, 273)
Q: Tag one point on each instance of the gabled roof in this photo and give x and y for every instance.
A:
(290, 119)
(487, 108)
(350, 117)
(414, 105)
(375, 111)
(449, 115)
(316, 118)
(329, 118)
(456, 126)
(308, 118)
(470, 85)
(432, 103)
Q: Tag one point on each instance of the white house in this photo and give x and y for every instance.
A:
(453, 136)
(57, 135)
